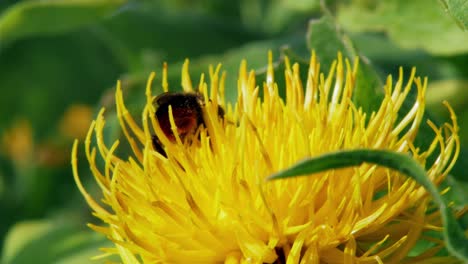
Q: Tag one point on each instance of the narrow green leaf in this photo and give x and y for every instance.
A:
(454, 236)
(29, 18)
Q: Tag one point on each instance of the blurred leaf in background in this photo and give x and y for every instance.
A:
(49, 241)
(410, 24)
(36, 18)
(60, 59)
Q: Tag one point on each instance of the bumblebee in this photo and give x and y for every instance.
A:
(187, 110)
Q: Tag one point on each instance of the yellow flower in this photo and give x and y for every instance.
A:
(206, 200)
(18, 143)
(75, 121)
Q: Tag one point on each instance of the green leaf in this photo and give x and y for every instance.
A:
(411, 24)
(325, 37)
(275, 16)
(28, 18)
(454, 236)
(51, 242)
(458, 9)
(146, 35)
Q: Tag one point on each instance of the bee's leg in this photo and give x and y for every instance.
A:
(157, 145)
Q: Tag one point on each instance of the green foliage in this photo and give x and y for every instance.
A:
(412, 24)
(49, 241)
(31, 18)
(457, 9)
(58, 53)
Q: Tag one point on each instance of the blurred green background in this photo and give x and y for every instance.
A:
(60, 60)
